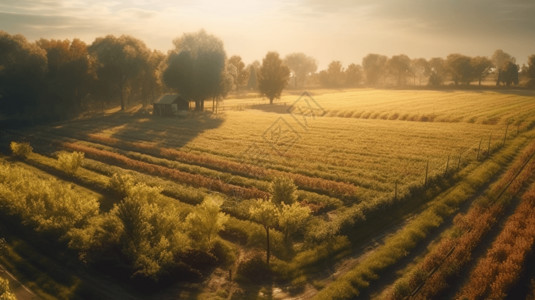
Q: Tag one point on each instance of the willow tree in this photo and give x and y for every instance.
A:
(195, 68)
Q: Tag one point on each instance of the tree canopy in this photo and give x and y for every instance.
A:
(121, 62)
(273, 76)
(399, 66)
(460, 68)
(301, 66)
(374, 68)
(195, 67)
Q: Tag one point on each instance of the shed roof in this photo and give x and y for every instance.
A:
(169, 99)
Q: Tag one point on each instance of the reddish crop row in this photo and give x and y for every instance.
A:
(494, 275)
(430, 277)
(183, 177)
(311, 183)
(445, 262)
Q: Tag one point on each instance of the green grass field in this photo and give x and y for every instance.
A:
(359, 161)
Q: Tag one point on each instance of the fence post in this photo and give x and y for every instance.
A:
(505, 136)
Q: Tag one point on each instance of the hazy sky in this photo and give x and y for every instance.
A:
(344, 30)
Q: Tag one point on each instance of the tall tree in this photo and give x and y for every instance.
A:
(508, 74)
(195, 67)
(334, 76)
(23, 68)
(420, 69)
(252, 83)
(481, 66)
(273, 76)
(301, 66)
(437, 71)
(374, 68)
(265, 213)
(120, 63)
(531, 71)
(150, 85)
(70, 73)
(399, 66)
(241, 74)
(500, 59)
(460, 68)
(353, 75)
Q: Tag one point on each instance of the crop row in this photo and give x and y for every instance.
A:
(488, 107)
(400, 244)
(494, 275)
(344, 152)
(430, 117)
(187, 178)
(318, 185)
(431, 277)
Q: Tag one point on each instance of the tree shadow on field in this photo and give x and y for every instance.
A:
(281, 108)
(173, 132)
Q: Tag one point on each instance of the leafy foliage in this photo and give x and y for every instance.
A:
(195, 67)
(301, 66)
(273, 76)
(70, 162)
(293, 218)
(283, 190)
(5, 291)
(20, 150)
(205, 222)
(152, 236)
(121, 184)
(47, 204)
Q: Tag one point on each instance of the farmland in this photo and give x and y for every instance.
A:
(393, 180)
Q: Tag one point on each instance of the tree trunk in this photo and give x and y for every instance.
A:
(270, 100)
(267, 245)
(122, 97)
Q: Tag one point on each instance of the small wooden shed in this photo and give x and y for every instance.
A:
(170, 105)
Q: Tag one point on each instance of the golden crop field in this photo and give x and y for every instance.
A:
(387, 165)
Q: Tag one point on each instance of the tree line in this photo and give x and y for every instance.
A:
(50, 80)
(399, 70)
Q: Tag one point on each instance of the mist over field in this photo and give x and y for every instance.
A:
(267, 150)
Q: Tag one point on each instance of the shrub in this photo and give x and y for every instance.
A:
(20, 150)
(255, 270)
(283, 190)
(205, 221)
(70, 162)
(5, 291)
(224, 252)
(121, 184)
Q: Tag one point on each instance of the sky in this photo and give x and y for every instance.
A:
(344, 30)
